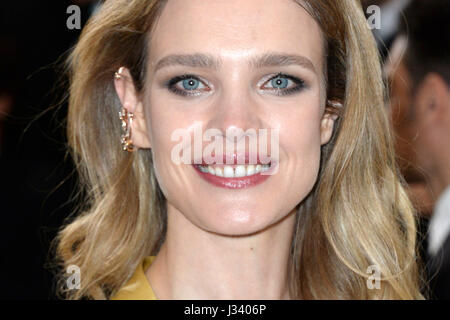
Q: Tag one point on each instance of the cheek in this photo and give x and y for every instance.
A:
(302, 136)
(425, 144)
(300, 131)
(162, 124)
(301, 141)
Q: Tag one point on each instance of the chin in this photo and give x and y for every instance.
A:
(234, 222)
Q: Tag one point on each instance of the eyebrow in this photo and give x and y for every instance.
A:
(200, 60)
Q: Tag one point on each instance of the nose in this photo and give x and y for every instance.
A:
(236, 110)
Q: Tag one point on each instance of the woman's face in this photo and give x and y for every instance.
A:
(231, 90)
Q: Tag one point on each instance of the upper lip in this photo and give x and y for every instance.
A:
(236, 159)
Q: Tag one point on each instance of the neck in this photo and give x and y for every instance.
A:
(197, 264)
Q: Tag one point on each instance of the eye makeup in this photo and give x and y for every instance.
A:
(190, 84)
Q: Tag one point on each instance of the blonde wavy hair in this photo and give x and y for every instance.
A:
(358, 214)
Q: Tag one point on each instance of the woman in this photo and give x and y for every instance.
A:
(327, 218)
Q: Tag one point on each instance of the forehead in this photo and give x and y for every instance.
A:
(234, 29)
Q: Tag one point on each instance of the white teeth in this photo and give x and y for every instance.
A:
(219, 172)
(250, 170)
(228, 172)
(237, 172)
(240, 171)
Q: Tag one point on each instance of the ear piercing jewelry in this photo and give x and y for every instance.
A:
(118, 74)
(334, 104)
(127, 119)
(335, 107)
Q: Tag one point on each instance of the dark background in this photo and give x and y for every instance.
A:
(35, 177)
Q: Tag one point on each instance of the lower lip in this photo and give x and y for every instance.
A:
(235, 183)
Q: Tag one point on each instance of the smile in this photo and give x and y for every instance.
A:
(235, 176)
(234, 171)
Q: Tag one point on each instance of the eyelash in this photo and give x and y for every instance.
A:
(170, 85)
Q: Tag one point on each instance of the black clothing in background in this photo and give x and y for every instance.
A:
(439, 272)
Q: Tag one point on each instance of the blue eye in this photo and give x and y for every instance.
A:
(280, 83)
(186, 85)
(191, 84)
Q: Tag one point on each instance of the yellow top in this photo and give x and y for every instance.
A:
(138, 287)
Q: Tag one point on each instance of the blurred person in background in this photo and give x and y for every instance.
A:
(419, 72)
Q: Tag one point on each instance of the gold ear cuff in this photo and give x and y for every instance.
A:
(126, 118)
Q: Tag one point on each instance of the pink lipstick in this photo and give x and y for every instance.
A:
(232, 174)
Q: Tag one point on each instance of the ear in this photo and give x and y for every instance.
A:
(327, 123)
(131, 101)
(432, 101)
